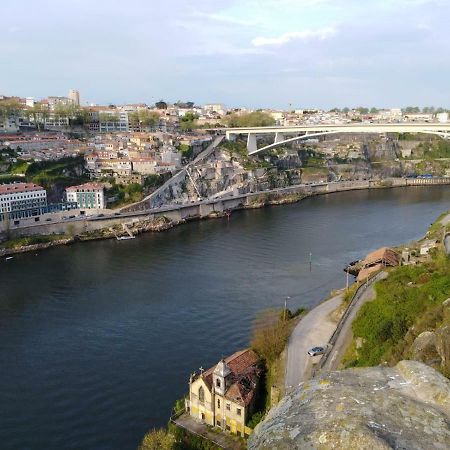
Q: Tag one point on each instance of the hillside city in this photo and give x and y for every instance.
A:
(92, 157)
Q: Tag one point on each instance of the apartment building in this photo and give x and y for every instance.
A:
(88, 195)
(20, 200)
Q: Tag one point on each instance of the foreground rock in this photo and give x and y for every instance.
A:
(405, 407)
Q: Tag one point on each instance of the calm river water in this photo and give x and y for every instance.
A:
(97, 340)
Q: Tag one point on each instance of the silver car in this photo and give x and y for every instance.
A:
(316, 351)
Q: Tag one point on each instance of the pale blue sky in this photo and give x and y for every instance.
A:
(256, 53)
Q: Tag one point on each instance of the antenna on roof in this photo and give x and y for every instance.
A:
(201, 370)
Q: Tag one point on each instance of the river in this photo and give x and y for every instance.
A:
(97, 340)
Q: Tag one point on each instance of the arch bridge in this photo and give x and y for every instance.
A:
(285, 135)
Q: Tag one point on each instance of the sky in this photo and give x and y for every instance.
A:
(252, 53)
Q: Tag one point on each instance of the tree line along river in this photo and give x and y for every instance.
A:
(97, 340)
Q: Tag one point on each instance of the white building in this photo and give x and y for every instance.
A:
(88, 196)
(442, 117)
(74, 95)
(22, 200)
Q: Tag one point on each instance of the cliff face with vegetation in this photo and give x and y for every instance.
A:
(379, 408)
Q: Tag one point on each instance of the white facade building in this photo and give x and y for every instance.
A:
(22, 199)
(88, 196)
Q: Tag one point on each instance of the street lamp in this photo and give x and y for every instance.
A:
(285, 306)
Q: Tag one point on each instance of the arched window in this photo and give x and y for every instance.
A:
(201, 394)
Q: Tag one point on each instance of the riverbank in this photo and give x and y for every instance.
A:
(162, 219)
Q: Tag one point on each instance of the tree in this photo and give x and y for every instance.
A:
(373, 110)
(38, 113)
(161, 104)
(148, 118)
(108, 117)
(253, 119)
(362, 110)
(188, 121)
(270, 335)
(9, 108)
(428, 110)
(412, 110)
(144, 117)
(157, 440)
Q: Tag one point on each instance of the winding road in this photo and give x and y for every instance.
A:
(314, 329)
(317, 328)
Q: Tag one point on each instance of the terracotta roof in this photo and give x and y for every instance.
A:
(244, 374)
(19, 187)
(383, 255)
(87, 186)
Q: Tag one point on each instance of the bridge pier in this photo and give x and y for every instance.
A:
(251, 143)
(279, 137)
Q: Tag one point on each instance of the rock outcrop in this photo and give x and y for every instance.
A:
(378, 408)
(433, 346)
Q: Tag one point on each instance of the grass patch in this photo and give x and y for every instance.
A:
(31, 240)
(406, 295)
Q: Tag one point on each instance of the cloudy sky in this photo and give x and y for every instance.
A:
(255, 53)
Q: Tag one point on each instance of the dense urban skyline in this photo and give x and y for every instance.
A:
(304, 53)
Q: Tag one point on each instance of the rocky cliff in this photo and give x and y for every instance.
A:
(378, 408)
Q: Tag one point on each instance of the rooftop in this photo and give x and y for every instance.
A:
(86, 186)
(19, 187)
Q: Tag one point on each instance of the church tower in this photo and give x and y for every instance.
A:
(220, 375)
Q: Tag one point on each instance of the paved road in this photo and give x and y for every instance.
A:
(345, 335)
(315, 328)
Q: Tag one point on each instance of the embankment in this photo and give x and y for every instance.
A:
(172, 215)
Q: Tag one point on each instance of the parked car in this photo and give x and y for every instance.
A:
(316, 351)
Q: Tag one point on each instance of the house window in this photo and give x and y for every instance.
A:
(218, 402)
(217, 382)
(238, 410)
(201, 394)
(203, 416)
(218, 423)
(228, 428)
(228, 407)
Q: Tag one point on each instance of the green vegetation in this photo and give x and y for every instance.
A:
(155, 181)
(183, 440)
(19, 168)
(57, 174)
(108, 117)
(9, 108)
(253, 119)
(271, 331)
(124, 194)
(436, 148)
(157, 440)
(186, 151)
(189, 121)
(31, 240)
(311, 158)
(145, 118)
(409, 293)
(238, 149)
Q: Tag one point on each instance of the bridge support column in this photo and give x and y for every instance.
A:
(251, 143)
(279, 137)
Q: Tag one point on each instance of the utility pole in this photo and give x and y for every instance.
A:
(347, 278)
(285, 307)
(310, 261)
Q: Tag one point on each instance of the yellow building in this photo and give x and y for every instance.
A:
(224, 395)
